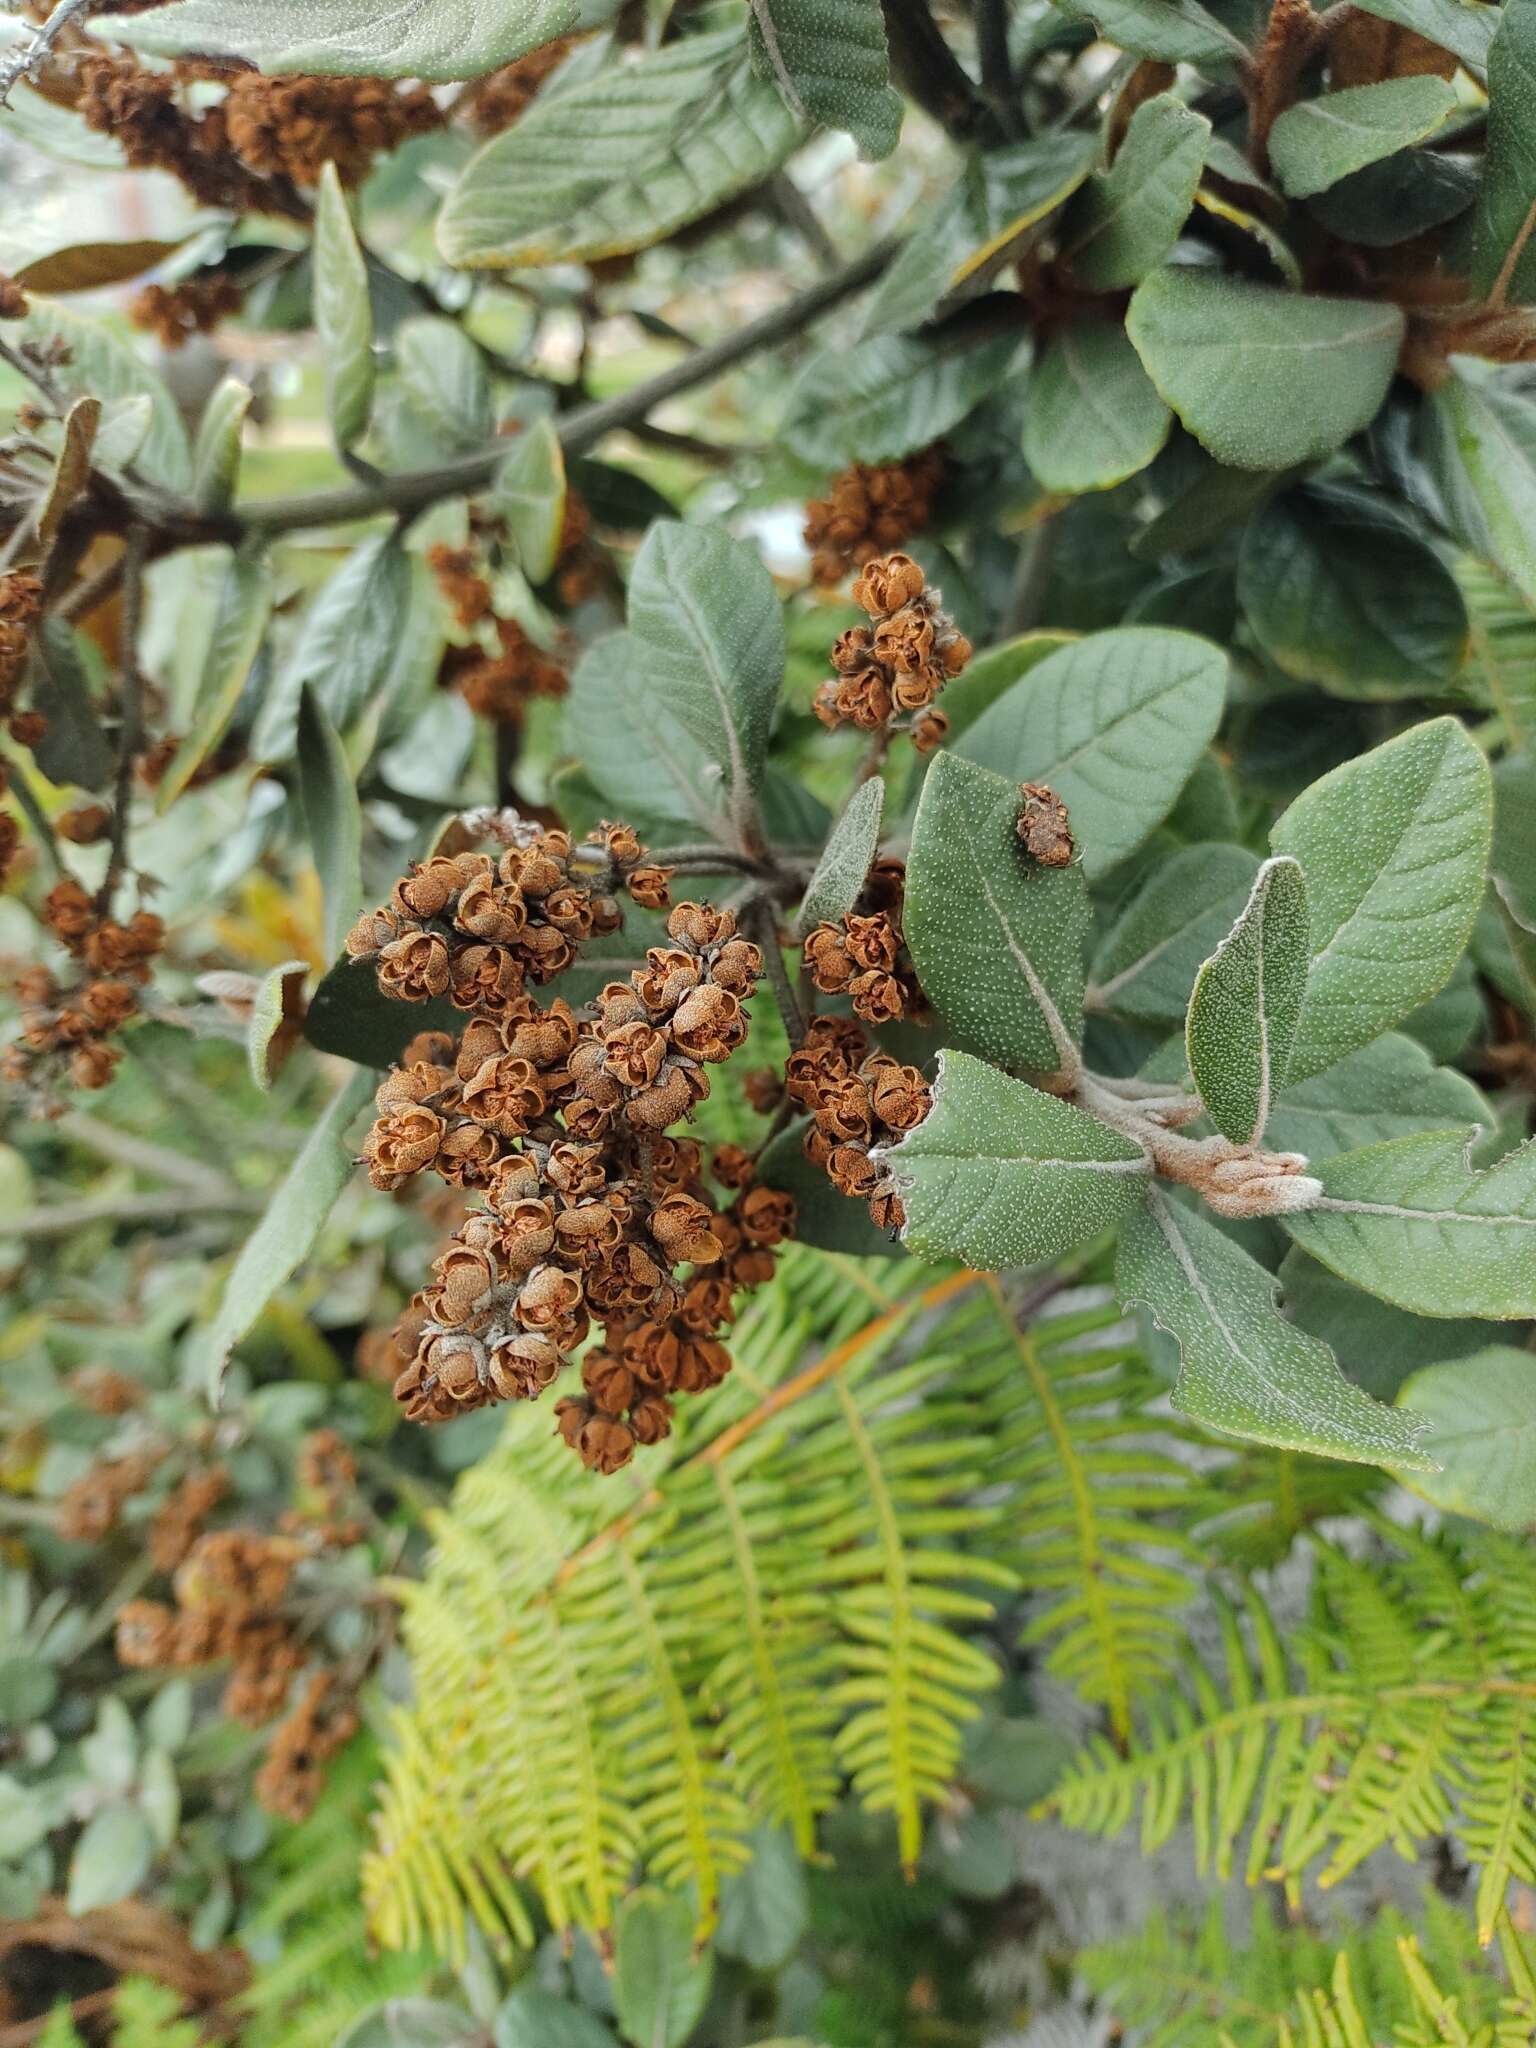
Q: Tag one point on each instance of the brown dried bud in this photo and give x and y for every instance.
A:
(85, 825)
(13, 300)
(681, 1225)
(733, 1166)
(92, 1066)
(709, 1024)
(766, 1216)
(373, 930)
(548, 1297)
(634, 1053)
(402, 1143)
(887, 585)
(464, 1279)
(146, 1634)
(930, 731)
(609, 1381)
(487, 909)
(414, 968)
(521, 1365)
(702, 925)
(650, 887)
(1044, 827)
(878, 998)
(650, 1418)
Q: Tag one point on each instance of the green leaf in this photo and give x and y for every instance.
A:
(765, 1909)
(100, 364)
(1388, 1089)
(707, 639)
(275, 1003)
(1246, 1370)
(834, 888)
(1001, 1175)
(1177, 31)
(432, 39)
(883, 398)
(531, 2018)
(619, 160)
(217, 450)
(1091, 415)
(1340, 591)
(111, 1859)
(343, 314)
(994, 207)
(445, 375)
(1377, 1344)
(997, 940)
(240, 627)
(1263, 378)
(1501, 251)
(824, 1216)
(333, 818)
(829, 61)
(1513, 864)
(1395, 847)
(1115, 724)
(74, 748)
(1394, 200)
(1483, 446)
(1416, 1223)
(1481, 1413)
(529, 491)
(1147, 964)
(1246, 1003)
(1464, 26)
(345, 647)
(1129, 217)
(349, 1015)
(294, 1217)
(1319, 141)
(993, 672)
(659, 1985)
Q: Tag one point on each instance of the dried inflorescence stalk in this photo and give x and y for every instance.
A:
(869, 510)
(889, 672)
(72, 1025)
(560, 1119)
(864, 956)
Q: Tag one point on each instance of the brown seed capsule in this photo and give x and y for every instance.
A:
(84, 825)
(1044, 827)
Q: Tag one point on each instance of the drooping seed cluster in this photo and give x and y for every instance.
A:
(890, 671)
(237, 1600)
(560, 1119)
(863, 955)
(175, 313)
(21, 604)
(858, 1101)
(72, 1025)
(870, 509)
(499, 684)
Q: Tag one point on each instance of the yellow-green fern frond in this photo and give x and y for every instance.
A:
(1402, 1708)
(1389, 1985)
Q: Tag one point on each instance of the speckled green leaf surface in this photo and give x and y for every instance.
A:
(343, 314)
(1341, 591)
(829, 62)
(834, 888)
(1481, 1416)
(619, 160)
(997, 941)
(1390, 1088)
(1115, 724)
(1246, 1370)
(1395, 847)
(1319, 141)
(407, 39)
(882, 398)
(1091, 415)
(1261, 377)
(1147, 964)
(1246, 1003)
(1501, 246)
(1000, 1175)
(1178, 31)
(530, 493)
(1127, 218)
(1414, 1222)
(1482, 442)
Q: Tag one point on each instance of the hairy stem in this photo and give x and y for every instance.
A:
(130, 732)
(761, 920)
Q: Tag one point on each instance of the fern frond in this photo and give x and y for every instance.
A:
(1098, 1535)
(1400, 1709)
(1387, 1986)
